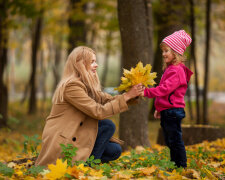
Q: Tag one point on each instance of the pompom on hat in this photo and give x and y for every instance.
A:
(178, 41)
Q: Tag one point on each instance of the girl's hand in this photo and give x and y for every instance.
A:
(157, 115)
(133, 92)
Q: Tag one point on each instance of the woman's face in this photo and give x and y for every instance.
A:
(94, 64)
(167, 54)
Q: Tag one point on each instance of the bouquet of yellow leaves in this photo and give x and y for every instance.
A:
(137, 75)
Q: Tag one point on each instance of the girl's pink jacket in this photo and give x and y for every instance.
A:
(171, 89)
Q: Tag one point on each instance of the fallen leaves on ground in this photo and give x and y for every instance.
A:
(57, 171)
(205, 161)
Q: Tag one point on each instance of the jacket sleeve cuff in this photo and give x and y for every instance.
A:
(146, 92)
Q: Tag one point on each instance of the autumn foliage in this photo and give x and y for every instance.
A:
(205, 161)
(137, 75)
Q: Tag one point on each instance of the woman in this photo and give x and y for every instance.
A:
(79, 110)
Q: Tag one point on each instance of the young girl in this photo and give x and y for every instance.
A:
(169, 94)
(79, 110)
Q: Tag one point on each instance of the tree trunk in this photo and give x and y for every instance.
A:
(193, 58)
(11, 63)
(42, 80)
(25, 93)
(42, 84)
(134, 21)
(169, 18)
(77, 35)
(190, 109)
(3, 62)
(207, 49)
(36, 39)
(58, 54)
(106, 60)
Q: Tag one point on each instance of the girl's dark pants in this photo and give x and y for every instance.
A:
(171, 126)
(103, 148)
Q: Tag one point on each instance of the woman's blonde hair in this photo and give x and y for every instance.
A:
(178, 58)
(78, 67)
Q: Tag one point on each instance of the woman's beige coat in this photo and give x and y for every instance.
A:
(75, 121)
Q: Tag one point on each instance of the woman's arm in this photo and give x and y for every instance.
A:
(76, 94)
(105, 97)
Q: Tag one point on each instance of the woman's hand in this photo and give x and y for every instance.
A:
(157, 115)
(133, 92)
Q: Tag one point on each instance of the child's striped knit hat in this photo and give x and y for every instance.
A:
(178, 41)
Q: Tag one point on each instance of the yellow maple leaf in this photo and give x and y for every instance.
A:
(139, 74)
(58, 170)
(84, 169)
(96, 173)
(73, 171)
(126, 73)
(149, 170)
(124, 80)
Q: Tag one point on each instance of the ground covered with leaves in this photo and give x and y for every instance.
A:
(205, 161)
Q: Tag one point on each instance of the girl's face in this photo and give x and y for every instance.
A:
(167, 54)
(94, 64)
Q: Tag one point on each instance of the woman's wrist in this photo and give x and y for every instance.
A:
(126, 96)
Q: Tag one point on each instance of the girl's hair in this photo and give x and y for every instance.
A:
(178, 58)
(78, 67)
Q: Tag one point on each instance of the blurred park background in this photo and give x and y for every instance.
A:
(37, 35)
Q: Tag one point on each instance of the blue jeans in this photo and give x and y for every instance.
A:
(103, 148)
(171, 126)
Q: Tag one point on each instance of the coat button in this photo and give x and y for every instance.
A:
(81, 123)
(74, 139)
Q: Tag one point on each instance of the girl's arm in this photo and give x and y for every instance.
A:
(168, 86)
